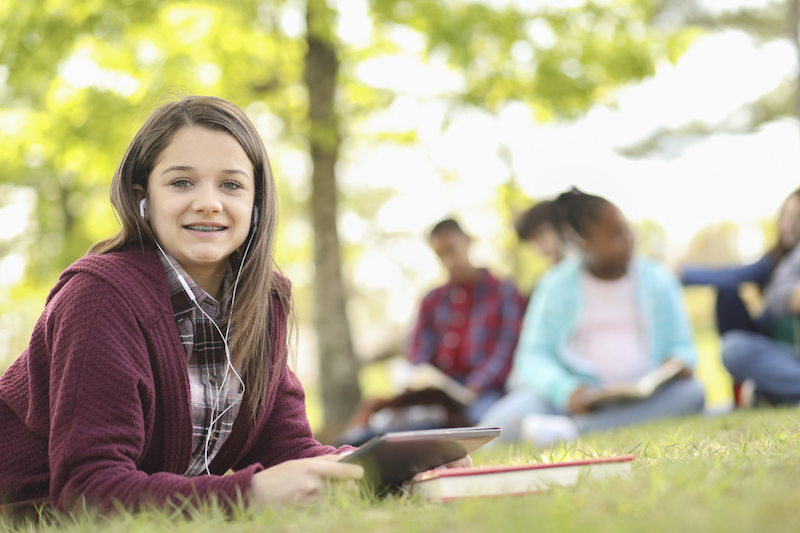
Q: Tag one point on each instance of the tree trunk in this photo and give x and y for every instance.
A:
(339, 370)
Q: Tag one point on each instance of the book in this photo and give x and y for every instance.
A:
(642, 388)
(455, 483)
(428, 376)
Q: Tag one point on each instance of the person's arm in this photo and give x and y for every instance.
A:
(757, 272)
(297, 468)
(422, 345)
(300, 480)
(286, 434)
(504, 322)
(670, 323)
(536, 360)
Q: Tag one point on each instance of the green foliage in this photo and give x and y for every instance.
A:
(651, 238)
(772, 21)
(560, 61)
(78, 78)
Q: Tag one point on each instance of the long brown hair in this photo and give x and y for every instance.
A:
(250, 341)
(780, 250)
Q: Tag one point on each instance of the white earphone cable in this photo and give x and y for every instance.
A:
(224, 337)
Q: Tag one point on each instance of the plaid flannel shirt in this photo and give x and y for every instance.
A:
(487, 328)
(206, 362)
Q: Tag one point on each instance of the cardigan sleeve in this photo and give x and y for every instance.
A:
(102, 408)
(286, 434)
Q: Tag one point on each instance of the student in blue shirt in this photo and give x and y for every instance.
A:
(604, 317)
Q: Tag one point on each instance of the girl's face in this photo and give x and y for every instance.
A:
(452, 247)
(608, 246)
(548, 242)
(789, 222)
(200, 199)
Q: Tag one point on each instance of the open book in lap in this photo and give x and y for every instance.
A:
(427, 376)
(640, 389)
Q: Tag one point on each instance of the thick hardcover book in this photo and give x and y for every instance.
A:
(454, 483)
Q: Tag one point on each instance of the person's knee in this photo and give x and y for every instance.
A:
(695, 396)
(477, 409)
(684, 396)
(737, 350)
(509, 410)
(502, 413)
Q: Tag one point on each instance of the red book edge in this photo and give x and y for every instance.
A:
(480, 470)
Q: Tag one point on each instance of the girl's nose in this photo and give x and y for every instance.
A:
(207, 200)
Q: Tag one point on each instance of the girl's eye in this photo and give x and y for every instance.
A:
(181, 183)
(231, 185)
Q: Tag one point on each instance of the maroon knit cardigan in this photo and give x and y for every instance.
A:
(98, 404)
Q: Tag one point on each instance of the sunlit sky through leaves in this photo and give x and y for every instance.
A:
(740, 178)
(725, 177)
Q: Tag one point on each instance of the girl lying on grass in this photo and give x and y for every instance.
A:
(160, 361)
(602, 318)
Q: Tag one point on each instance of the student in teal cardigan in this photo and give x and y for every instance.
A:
(602, 318)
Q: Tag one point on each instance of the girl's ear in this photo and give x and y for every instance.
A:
(140, 196)
(139, 193)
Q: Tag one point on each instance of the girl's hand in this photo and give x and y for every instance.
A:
(300, 480)
(464, 462)
(577, 402)
(685, 373)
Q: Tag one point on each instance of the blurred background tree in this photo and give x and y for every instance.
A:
(772, 20)
(77, 79)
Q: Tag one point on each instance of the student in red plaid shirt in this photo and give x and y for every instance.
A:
(467, 328)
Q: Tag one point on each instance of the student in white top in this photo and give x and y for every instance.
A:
(602, 317)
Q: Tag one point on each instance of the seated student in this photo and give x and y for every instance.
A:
(535, 225)
(146, 379)
(467, 328)
(730, 310)
(603, 317)
(771, 363)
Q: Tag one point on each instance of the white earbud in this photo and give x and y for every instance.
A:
(142, 206)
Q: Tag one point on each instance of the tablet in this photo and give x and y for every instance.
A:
(393, 458)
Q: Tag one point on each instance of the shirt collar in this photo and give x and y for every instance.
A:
(181, 304)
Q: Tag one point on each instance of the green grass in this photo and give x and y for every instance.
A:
(736, 472)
